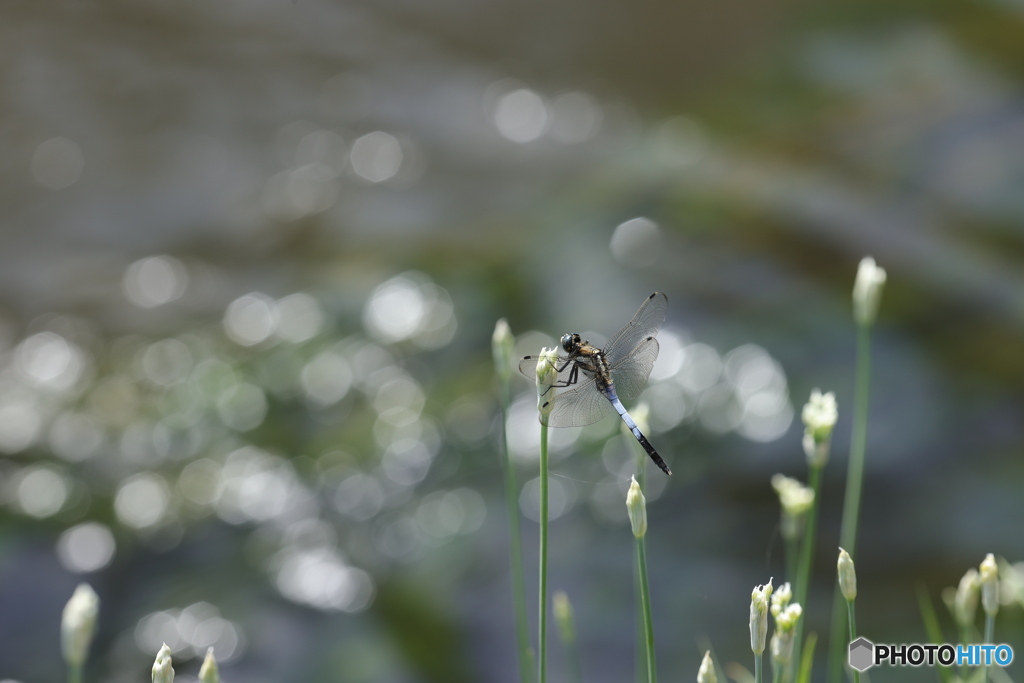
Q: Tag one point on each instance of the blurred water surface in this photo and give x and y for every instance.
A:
(252, 254)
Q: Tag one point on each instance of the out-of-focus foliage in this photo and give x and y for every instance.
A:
(251, 255)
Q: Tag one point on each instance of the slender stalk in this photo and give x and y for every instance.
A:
(75, 674)
(854, 483)
(640, 675)
(852, 621)
(792, 559)
(542, 615)
(990, 627)
(803, 575)
(757, 668)
(804, 674)
(515, 538)
(645, 602)
(641, 636)
(858, 442)
(835, 652)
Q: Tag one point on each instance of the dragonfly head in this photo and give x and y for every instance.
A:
(571, 342)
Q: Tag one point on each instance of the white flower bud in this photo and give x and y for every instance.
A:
(847, 576)
(636, 506)
(547, 376)
(989, 572)
(502, 342)
(795, 499)
(162, 671)
(562, 609)
(819, 416)
(78, 624)
(867, 291)
(786, 619)
(965, 604)
(780, 598)
(208, 672)
(706, 672)
(785, 629)
(759, 616)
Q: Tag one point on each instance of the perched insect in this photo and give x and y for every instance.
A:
(591, 380)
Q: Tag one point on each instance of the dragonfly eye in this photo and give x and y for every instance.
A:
(567, 342)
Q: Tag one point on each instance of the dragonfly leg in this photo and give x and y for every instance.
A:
(573, 378)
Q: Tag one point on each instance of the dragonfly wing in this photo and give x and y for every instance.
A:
(528, 368)
(630, 374)
(645, 323)
(579, 406)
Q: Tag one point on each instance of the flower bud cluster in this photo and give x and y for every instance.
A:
(759, 616)
(795, 499)
(819, 417)
(785, 631)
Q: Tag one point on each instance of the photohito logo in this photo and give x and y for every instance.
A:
(864, 654)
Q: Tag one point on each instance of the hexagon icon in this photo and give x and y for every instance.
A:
(862, 654)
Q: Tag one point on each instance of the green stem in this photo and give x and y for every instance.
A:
(858, 443)
(803, 575)
(792, 559)
(515, 539)
(641, 636)
(645, 601)
(640, 675)
(757, 668)
(854, 483)
(542, 615)
(852, 620)
(75, 673)
(990, 627)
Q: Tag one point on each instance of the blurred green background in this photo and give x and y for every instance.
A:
(252, 253)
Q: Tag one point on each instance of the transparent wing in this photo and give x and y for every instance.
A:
(630, 374)
(528, 368)
(579, 406)
(645, 323)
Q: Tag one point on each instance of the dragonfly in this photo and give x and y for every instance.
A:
(591, 381)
